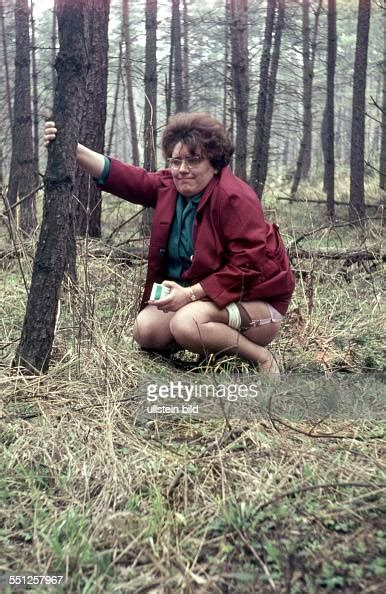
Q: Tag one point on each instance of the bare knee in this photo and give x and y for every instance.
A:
(142, 333)
(148, 335)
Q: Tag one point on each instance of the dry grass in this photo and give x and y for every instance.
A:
(182, 505)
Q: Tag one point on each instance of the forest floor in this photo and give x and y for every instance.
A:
(116, 501)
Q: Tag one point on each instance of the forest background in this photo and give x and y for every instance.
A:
(91, 491)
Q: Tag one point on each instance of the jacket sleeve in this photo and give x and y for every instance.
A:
(244, 231)
(132, 183)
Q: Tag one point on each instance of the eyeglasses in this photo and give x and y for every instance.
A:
(190, 162)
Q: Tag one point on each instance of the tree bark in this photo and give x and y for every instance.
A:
(177, 53)
(240, 77)
(129, 83)
(185, 58)
(150, 108)
(329, 162)
(303, 164)
(382, 160)
(23, 175)
(169, 77)
(227, 76)
(35, 91)
(116, 97)
(89, 200)
(72, 63)
(53, 50)
(357, 190)
(6, 65)
(279, 26)
(150, 83)
(307, 91)
(260, 139)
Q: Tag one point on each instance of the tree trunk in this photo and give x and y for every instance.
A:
(150, 109)
(307, 91)
(329, 162)
(34, 350)
(169, 78)
(382, 160)
(150, 83)
(227, 76)
(240, 77)
(6, 66)
(357, 189)
(116, 96)
(185, 58)
(260, 129)
(23, 175)
(35, 91)
(53, 50)
(89, 200)
(279, 26)
(303, 164)
(177, 53)
(129, 83)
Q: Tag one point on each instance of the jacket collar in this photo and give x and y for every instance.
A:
(208, 191)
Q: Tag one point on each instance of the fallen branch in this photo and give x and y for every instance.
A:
(330, 226)
(349, 257)
(321, 202)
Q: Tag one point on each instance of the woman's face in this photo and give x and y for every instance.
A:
(190, 179)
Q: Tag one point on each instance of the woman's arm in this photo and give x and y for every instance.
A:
(89, 160)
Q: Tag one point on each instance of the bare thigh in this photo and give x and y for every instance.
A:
(191, 316)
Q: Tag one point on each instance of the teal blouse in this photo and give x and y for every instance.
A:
(180, 245)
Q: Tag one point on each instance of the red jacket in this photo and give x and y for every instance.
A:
(238, 256)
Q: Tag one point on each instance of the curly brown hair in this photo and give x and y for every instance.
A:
(200, 133)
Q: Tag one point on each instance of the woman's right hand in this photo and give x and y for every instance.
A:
(50, 132)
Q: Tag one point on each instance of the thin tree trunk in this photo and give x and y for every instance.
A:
(23, 175)
(150, 108)
(226, 65)
(5, 62)
(303, 164)
(169, 76)
(129, 83)
(35, 91)
(177, 53)
(382, 160)
(279, 26)
(185, 58)
(34, 350)
(330, 128)
(53, 50)
(240, 77)
(150, 83)
(357, 189)
(89, 200)
(338, 133)
(116, 96)
(260, 129)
